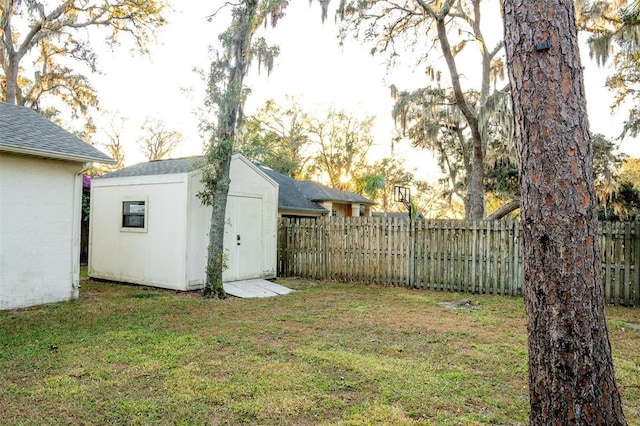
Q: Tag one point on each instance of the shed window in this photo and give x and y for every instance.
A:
(133, 214)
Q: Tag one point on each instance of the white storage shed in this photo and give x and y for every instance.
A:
(148, 226)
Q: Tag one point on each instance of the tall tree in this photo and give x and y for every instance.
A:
(625, 85)
(614, 26)
(54, 32)
(449, 27)
(630, 171)
(606, 165)
(430, 119)
(226, 95)
(343, 142)
(610, 22)
(115, 149)
(380, 179)
(277, 136)
(113, 145)
(571, 377)
(157, 141)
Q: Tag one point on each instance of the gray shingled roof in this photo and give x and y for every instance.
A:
(24, 131)
(319, 192)
(158, 167)
(299, 194)
(289, 196)
(292, 194)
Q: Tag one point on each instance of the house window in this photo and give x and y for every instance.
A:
(134, 214)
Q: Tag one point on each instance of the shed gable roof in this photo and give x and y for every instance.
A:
(24, 131)
(158, 167)
(176, 166)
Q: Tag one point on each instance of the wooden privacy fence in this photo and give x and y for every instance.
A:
(471, 256)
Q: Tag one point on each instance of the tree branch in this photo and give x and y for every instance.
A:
(504, 210)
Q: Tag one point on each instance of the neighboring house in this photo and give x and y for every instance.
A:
(41, 167)
(149, 227)
(339, 203)
(312, 199)
(291, 202)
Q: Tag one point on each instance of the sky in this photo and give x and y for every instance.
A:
(311, 67)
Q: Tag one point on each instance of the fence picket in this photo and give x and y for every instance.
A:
(628, 247)
(635, 284)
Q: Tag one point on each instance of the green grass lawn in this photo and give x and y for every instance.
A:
(328, 354)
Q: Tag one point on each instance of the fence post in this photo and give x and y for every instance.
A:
(411, 274)
(636, 267)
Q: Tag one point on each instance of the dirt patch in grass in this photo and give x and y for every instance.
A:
(330, 354)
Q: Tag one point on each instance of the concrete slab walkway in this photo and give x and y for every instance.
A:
(255, 288)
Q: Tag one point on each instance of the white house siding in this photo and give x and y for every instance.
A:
(39, 214)
(155, 256)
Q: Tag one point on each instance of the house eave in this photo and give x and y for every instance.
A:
(34, 152)
(302, 209)
(333, 200)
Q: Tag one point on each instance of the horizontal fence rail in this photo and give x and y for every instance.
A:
(470, 256)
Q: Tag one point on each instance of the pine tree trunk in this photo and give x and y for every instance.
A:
(571, 377)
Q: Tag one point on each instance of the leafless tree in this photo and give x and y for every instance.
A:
(157, 141)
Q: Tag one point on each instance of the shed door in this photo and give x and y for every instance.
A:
(243, 238)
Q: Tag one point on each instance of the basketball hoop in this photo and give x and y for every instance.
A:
(402, 194)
